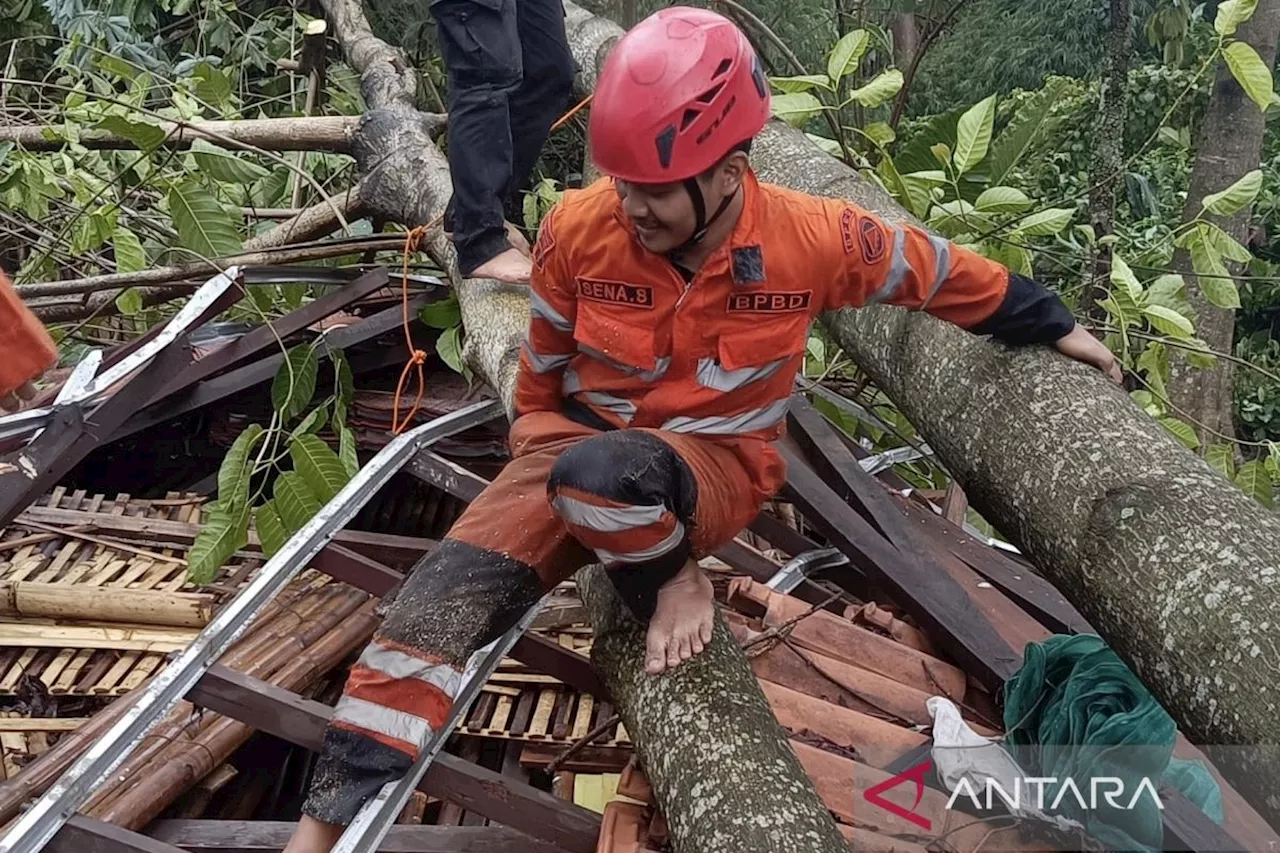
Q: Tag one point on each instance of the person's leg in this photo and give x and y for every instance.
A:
(496, 562)
(648, 504)
(547, 88)
(481, 47)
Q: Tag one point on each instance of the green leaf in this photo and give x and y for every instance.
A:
(802, 83)
(941, 152)
(1046, 222)
(1034, 121)
(319, 466)
(212, 86)
(1231, 14)
(204, 227)
(1169, 322)
(129, 302)
(347, 451)
(344, 382)
(1002, 200)
(1235, 197)
(830, 146)
(1224, 244)
(879, 90)
(141, 133)
(1222, 457)
(973, 134)
(449, 348)
(1123, 278)
(270, 529)
(294, 501)
(441, 314)
(1212, 275)
(130, 256)
(1255, 483)
(1181, 431)
(1253, 76)
(796, 109)
(847, 53)
(1199, 357)
(1168, 290)
(115, 66)
(880, 133)
(236, 469)
(221, 534)
(1154, 362)
(226, 166)
(312, 423)
(295, 382)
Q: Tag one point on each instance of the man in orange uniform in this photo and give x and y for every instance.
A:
(661, 353)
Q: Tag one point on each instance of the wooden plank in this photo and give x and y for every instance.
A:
(930, 595)
(286, 715)
(82, 834)
(262, 836)
(41, 724)
(94, 637)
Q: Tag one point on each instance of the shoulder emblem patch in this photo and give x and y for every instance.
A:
(545, 243)
(616, 293)
(871, 237)
(847, 221)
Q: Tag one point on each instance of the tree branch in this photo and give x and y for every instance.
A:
(320, 133)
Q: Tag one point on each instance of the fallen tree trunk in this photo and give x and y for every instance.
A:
(323, 133)
(405, 178)
(1172, 564)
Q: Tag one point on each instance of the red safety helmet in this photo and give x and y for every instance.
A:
(678, 92)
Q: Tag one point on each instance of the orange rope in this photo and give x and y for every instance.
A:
(417, 358)
(564, 118)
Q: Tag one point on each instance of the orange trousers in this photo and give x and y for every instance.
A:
(640, 501)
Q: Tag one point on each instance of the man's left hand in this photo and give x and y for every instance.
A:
(1083, 346)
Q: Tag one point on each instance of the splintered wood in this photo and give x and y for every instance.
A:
(82, 614)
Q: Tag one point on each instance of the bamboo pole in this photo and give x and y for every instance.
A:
(135, 606)
(171, 776)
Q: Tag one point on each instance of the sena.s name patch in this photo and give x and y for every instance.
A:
(770, 302)
(616, 293)
(871, 236)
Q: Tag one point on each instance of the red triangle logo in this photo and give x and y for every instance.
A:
(914, 774)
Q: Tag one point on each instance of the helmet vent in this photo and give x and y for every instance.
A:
(723, 68)
(757, 76)
(709, 95)
(688, 118)
(665, 142)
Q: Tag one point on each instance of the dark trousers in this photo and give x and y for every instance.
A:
(510, 77)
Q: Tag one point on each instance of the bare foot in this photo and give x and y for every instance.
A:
(510, 266)
(681, 623)
(312, 836)
(12, 402)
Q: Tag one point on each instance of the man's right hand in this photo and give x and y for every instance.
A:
(13, 401)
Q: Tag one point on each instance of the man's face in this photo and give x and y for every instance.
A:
(663, 214)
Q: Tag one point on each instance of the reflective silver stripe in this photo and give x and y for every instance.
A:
(648, 553)
(898, 270)
(941, 266)
(397, 664)
(750, 421)
(712, 375)
(546, 363)
(631, 370)
(542, 308)
(570, 383)
(606, 519)
(385, 721)
(624, 409)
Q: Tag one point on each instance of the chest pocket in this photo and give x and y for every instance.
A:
(758, 336)
(623, 337)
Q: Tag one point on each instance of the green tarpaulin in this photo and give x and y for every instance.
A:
(1075, 710)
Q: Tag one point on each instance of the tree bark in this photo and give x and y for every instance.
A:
(323, 133)
(720, 765)
(1229, 146)
(1108, 149)
(1174, 566)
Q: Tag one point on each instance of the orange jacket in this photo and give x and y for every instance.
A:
(26, 349)
(616, 328)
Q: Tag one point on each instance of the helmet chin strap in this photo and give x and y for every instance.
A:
(694, 189)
